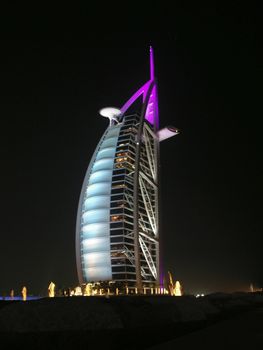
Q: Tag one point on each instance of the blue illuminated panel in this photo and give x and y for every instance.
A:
(94, 211)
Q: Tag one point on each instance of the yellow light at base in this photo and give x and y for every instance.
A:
(24, 293)
(51, 290)
(177, 289)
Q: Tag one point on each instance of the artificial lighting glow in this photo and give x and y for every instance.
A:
(96, 202)
(177, 289)
(103, 188)
(199, 295)
(110, 112)
(96, 216)
(95, 244)
(95, 230)
(98, 273)
(51, 290)
(100, 176)
(107, 152)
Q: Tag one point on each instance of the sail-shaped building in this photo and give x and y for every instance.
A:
(117, 230)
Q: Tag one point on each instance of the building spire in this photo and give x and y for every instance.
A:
(151, 64)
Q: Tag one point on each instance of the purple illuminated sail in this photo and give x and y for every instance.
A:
(150, 86)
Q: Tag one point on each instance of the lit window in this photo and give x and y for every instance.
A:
(116, 218)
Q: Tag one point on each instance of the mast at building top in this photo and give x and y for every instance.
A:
(151, 63)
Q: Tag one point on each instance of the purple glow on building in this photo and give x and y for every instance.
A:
(151, 114)
(151, 64)
(142, 91)
(152, 108)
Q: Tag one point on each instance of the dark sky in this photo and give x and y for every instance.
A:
(57, 74)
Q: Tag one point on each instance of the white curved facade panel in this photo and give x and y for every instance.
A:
(99, 189)
(95, 244)
(96, 259)
(100, 273)
(94, 211)
(108, 152)
(100, 176)
(103, 164)
(95, 230)
(96, 202)
(110, 142)
(95, 216)
(113, 132)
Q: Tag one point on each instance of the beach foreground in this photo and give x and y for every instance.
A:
(132, 322)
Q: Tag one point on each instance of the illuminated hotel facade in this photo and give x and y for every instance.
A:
(117, 230)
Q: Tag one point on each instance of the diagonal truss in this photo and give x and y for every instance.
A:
(148, 189)
(130, 256)
(144, 201)
(148, 204)
(148, 257)
(147, 137)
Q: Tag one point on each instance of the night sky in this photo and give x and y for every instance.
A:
(57, 74)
